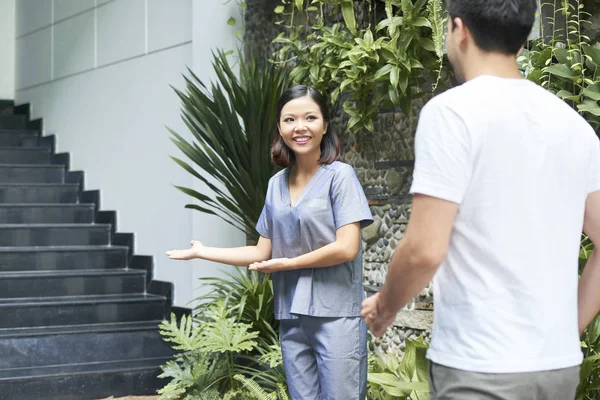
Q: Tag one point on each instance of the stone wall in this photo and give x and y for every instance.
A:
(383, 162)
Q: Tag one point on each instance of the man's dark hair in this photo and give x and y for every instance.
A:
(331, 147)
(496, 25)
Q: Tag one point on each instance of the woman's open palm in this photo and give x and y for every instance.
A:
(187, 254)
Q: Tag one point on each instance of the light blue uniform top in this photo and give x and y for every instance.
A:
(333, 198)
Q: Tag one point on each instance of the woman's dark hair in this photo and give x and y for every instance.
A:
(331, 147)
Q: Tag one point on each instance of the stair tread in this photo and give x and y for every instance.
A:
(15, 132)
(47, 205)
(82, 369)
(20, 148)
(8, 131)
(74, 329)
(38, 184)
(56, 225)
(95, 299)
(12, 165)
(28, 249)
(70, 272)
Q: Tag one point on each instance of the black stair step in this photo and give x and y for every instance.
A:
(46, 213)
(19, 138)
(16, 284)
(25, 155)
(36, 347)
(62, 258)
(12, 131)
(13, 121)
(89, 381)
(54, 234)
(37, 193)
(31, 173)
(55, 311)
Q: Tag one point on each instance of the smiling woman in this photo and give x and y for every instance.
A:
(310, 242)
(302, 123)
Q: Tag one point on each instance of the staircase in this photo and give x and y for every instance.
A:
(78, 311)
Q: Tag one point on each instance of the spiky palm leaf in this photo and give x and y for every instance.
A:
(232, 122)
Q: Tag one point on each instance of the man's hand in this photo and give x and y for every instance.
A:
(188, 254)
(376, 318)
(274, 265)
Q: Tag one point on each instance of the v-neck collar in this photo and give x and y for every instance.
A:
(309, 185)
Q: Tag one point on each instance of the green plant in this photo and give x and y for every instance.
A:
(232, 21)
(589, 383)
(255, 391)
(564, 61)
(213, 354)
(407, 379)
(232, 123)
(233, 333)
(374, 62)
(250, 296)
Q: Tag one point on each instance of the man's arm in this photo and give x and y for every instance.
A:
(589, 295)
(415, 262)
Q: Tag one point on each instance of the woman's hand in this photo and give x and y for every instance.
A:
(274, 265)
(193, 252)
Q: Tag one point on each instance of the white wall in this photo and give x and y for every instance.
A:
(211, 31)
(98, 72)
(7, 49)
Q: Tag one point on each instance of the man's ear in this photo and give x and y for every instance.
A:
(461, 31)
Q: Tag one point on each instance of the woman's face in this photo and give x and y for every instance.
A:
(301, 125)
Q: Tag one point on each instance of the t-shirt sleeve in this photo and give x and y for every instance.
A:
(594, 168)
(263, 225)
(442, 154)
(348, 200)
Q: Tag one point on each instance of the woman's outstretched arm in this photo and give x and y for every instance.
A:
(238, 256)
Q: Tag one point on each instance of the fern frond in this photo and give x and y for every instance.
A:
(181, 380)
(436, 18)
(227, 336)
(254, 388)
(235, 394)
(184, 336)
(407, 8)
(282, 392)
(273, 357)
(434, 8)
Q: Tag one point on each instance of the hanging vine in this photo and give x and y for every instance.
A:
(371, 59)
(565, 61)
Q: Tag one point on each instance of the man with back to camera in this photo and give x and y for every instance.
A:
(506, 176)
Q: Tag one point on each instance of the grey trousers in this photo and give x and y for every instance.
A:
(453, 384)
(325, 358)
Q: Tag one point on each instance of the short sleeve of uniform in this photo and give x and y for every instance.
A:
(594, 168)
(442, 154)
(348, 199)
(263, 225)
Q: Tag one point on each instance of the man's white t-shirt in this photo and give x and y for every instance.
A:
(520, 164)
